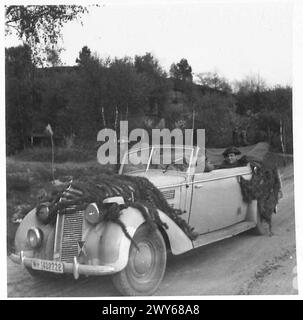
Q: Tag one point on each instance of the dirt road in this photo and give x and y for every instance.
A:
(242, 265)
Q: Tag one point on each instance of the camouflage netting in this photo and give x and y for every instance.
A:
(264, 186)
(137, 192)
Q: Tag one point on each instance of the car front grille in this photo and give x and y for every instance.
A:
(71, 235)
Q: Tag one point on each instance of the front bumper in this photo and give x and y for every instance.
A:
(75, 268)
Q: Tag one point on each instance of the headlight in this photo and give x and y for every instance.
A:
(34, 237)
(43, 213)
(92, 213)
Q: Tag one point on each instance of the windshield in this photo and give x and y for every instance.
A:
(165, 158)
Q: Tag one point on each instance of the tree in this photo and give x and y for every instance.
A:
(40, 25)
(250, 94)
(127, 90)
(215, 113)
(214, 81)
(53, 56)
(86, 98)
(181, 71)
(19, 96)
(149, 67)
(267, 109)
(106, 92)
(274, 111)
(84, 56)
(251, 83)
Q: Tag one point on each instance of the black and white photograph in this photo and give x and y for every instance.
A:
(149, 149)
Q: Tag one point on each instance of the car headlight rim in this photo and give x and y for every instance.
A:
(43, 212)
(34, 237)
(92, 214)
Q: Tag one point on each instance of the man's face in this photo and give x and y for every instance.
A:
(231, 158)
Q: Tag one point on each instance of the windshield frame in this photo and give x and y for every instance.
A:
(193, 157)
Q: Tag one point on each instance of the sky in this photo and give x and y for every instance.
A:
(234, 39)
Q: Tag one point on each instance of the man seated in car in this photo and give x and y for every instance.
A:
(231, 159)
(174, 160)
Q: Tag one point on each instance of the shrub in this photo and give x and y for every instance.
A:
(60, 155)
(18, 182)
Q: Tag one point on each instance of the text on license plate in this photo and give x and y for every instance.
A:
(45, 265)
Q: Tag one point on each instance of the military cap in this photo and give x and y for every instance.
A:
(231, 150)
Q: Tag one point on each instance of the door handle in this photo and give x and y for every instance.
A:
(198, 185)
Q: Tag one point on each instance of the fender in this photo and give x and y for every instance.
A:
(21, 244)
(179, 241)
(30, 220)
(114, 245)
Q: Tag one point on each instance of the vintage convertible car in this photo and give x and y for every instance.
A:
(83, 244)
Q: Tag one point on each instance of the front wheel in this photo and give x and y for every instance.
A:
(146, 266)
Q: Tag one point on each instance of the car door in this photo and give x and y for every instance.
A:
(217, 200)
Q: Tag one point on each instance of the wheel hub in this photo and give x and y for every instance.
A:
(143, 259)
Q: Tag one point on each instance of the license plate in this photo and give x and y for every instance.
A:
(45, 265)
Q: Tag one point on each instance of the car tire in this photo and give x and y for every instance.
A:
(260, 229)
(145, 268)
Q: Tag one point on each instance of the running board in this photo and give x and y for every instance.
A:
(221, 234)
